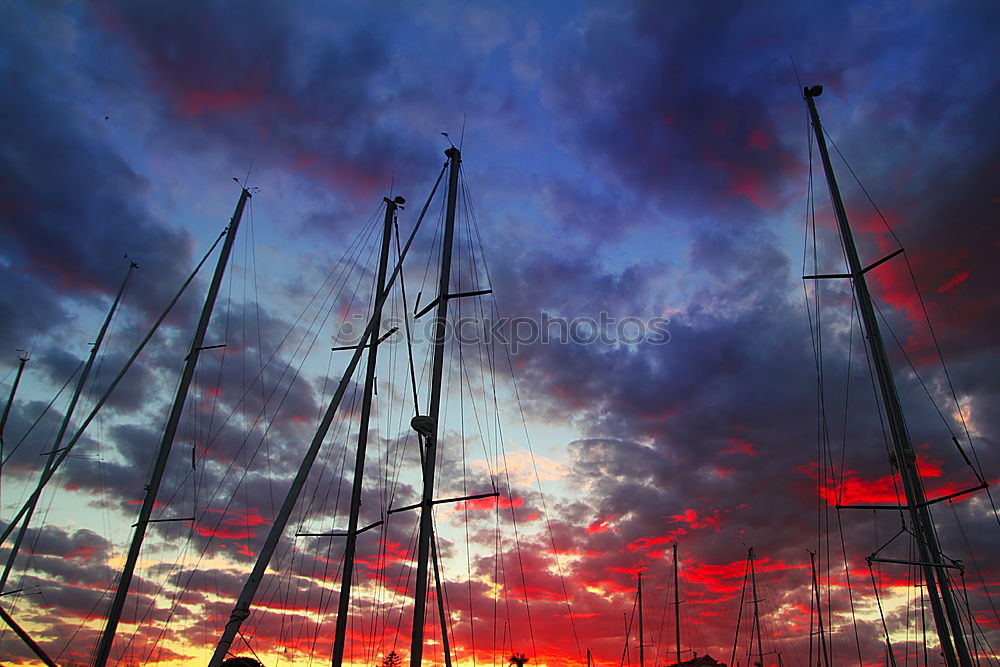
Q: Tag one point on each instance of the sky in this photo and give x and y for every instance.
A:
(646, 160)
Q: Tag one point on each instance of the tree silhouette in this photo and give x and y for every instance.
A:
(518, 659)
(392, 660)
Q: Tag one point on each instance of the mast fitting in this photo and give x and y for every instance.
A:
(424, 426)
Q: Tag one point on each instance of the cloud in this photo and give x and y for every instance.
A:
(643, 160)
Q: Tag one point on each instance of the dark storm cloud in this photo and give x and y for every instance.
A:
(734, 387)
(77, 196)
(673, 104)
(677, 117)
(324, 99)
(201, 96)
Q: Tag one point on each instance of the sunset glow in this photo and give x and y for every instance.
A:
(634, 368)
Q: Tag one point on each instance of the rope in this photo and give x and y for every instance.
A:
(975, 562)
(628, 633)
(739, 615)
(885, 628)
(80, 431)
(850, 589)
(352, 249)
(517, 397)
(42, 414)
(930, 327)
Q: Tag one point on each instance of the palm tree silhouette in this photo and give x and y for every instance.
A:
(392, 660)
(518, 659)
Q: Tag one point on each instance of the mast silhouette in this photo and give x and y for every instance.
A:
(819, 612)
(22, 359)
(642, 653)
(946, 619)
(756, 610)
(67, 418)
(343, 604)
(241, 610)
(118, 603)
(428, 425)
(46, 477)
(677, 607)
(26, 638)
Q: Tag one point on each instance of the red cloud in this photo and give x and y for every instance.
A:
(198, 101)
(691, 518)
(954, 282)
(647, 542)
(857, 490)
(601, 525)
(759, 139)
(739, 446)
(728, 577)
(236, 526)
(490, 502)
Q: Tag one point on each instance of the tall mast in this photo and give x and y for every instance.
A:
(65, 423)
(64, 453)
(627, 628)
(642, 654)
(26, 638)
(343, 605)
(22, 359)
(677, 607)
(241, 610)
(118, 603)
(935, 576)
(756, 610)
(819, 610)
(428, 425)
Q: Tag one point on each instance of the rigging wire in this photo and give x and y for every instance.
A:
(825, 472)
(223, 513)
(881, 613)
(739, 615)
(930, 327)
(42, 414)
(520, 412)
(628, 632)
(317, 440)
(66, 450)
(492, 442)
(977, 468)
(975, 563)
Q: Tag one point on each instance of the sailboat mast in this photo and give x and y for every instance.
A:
(439, 589)
(26, 638)
(241, 610)
(118, 603)
(819, 610)
(65, 451)
(642, 654)
(343, 604)
(430, 422)
(677, 607)
(22, 359)
(756, 609)
(70, 409)
(939, 587)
